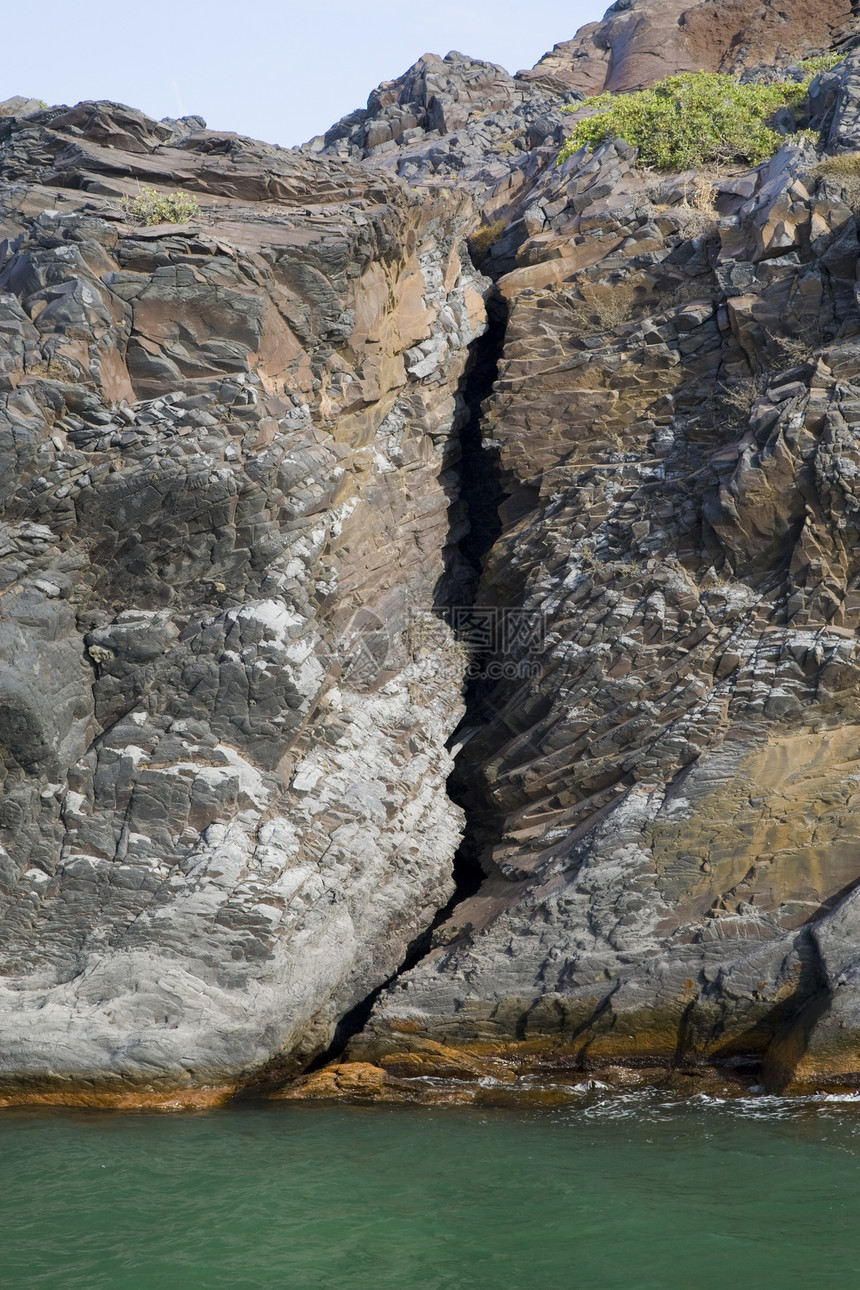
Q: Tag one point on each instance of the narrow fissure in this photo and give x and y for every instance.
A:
(482, 493)
(476, 516)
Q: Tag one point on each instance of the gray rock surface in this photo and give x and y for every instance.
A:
(452, 117)
(241, 458)
(226, 456)
(664, 778)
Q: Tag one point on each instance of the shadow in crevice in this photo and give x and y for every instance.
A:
(796, 1019)
(354, 1021)
(476, 526)
(477, 492)
(772, 1048)
(475, 523)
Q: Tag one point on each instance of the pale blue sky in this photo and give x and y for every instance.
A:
(278, 71)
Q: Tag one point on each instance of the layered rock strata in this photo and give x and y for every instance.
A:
(227, 468)
(244, 457)
(668, 768)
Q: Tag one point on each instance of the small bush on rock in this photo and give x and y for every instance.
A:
(602, 306)
(845, 165)
(821, 63)
(842, 174)
(803, 344)
(483, 238)
(693, 223)
(731, 402)
(685, 121)
(697, 215)
(151, 207)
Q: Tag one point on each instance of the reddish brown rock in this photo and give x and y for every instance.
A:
(641, 41)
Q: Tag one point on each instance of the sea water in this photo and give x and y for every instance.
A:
(620, 1192)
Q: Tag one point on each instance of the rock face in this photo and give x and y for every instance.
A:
(453, 117)
(253, 467)
(227, 457)
(641, 41)
(669, 812)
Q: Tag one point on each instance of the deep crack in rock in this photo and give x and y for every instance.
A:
(479, 492)
(482, 492)
(239, 455)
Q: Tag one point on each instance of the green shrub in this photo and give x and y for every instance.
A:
(151, 207)
(686, 120)
(821, 63)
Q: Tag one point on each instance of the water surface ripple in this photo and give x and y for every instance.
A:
(624, 1192)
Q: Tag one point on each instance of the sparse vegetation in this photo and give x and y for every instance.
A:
(483, 238)
(808, 138)
(845, 165)
(843, 173)
(733, 403)
(602, 306)
(701, 194)
(687, 120)
(696, 223)
(151, 207)
(821, 63)
(697, 216)
(802, 345)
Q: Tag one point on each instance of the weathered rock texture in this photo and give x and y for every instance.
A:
(453, 117)
(226, 472)
(240, 454)
(667, 790)
(641, 41)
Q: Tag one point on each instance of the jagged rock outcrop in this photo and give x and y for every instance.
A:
(670, 818)
(453, 117)
(227, 469)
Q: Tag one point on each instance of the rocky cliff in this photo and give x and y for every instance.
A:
(430, 591)
(228, 464)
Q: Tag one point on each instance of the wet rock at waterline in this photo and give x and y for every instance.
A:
(427, 653)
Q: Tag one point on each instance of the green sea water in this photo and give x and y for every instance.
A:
(622, 1192)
